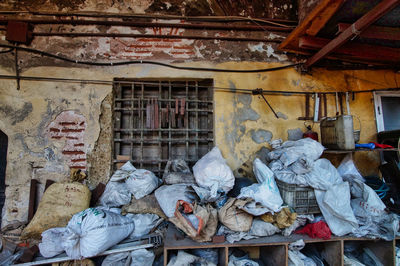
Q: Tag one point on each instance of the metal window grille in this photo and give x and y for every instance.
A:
(155, 121)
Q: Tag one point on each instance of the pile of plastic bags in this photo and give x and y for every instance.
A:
(198, 204)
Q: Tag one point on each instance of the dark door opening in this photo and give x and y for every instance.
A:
(3, 164)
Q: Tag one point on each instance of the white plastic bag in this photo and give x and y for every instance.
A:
(371, 215)
(369, 204)
(139, 257)
(51, 242)
(235, 261)
(93, 231)
(122, 173)
(118, 259)
(260, 228)
(168, 195)
(323, 175)
(347, 167)
(335, 207)
(291, 151)
(142, 257)
(141, 183)
(183, 259)
(144, 223)
(115, 194)
(212, 172)
(266, 192)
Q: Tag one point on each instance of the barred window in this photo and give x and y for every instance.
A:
(157, 120)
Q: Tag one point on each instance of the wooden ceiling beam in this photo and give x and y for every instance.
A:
(355, 51)
(356, 28)
(312, 24)
(375, 32)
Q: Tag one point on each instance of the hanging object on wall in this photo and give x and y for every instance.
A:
(259, 91)
(309, 133)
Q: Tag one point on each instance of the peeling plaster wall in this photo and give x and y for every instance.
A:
(243, 122)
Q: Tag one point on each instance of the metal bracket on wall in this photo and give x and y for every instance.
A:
(17, 69)
(259, 91)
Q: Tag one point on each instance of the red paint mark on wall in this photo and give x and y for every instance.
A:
(70, 126)
(139, 48)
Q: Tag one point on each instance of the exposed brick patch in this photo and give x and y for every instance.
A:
(141, 48)
(70, 126)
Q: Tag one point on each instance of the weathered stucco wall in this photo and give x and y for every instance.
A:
(243, 123)
(52, 126)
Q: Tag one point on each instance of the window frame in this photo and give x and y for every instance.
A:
(380, 126)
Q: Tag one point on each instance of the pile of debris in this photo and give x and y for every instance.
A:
(209, 203)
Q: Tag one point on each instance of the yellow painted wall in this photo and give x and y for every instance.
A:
(233, 111)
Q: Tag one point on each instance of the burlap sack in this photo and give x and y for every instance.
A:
(147, 204)
(206, 217)
(232, 216)
(57, 206)
(85, 262)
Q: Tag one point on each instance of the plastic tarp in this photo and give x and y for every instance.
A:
(213, 173)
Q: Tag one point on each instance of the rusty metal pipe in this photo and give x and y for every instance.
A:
(205, 26)
(129, 35)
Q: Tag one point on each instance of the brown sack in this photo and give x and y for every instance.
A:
(232, 216)
(57, 206)
(206, 216)
(85, 262)
(184, 208)
(147, 204)
(210, 228)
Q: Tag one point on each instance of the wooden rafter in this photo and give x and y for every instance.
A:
(356, 52)
(375, 32)
(312, 24)
(356, 28)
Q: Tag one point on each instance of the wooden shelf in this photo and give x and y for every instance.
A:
(357, 150)
(274, 249)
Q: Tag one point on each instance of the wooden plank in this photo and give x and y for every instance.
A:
(223, 256)
(32, 199)
(375, 32)
(312, 24)
(174, 242)
(360, 25)
(357, 51)
(123, 158)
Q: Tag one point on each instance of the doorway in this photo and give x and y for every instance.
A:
(3, 164)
